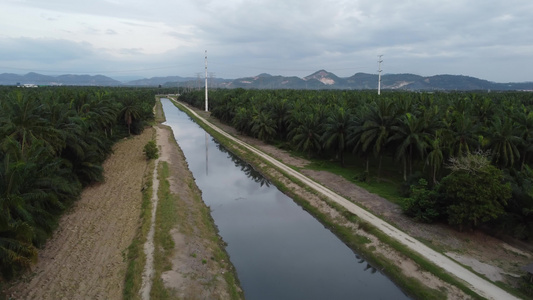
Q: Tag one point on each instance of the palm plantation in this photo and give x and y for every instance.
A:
(53, 143)
(416, 134)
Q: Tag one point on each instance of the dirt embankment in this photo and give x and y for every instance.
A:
(84, 259)
(200, 268)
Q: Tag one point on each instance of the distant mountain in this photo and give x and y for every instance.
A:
(321, 79)
(325, 78)
(266, 81)
(39, 79)
(155, 81)
(361, 81)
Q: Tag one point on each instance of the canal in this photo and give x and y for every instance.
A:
(277, 248)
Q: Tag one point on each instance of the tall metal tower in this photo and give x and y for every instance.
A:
(206, 104)
(379, 73)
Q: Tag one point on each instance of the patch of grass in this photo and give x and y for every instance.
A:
(166, 212)
(134, 254)
(388, 188)
(159, 291)
(159, 112)
(163, 241)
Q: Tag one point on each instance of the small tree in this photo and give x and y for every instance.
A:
(422, 204)
(474, 192)
(150, 150)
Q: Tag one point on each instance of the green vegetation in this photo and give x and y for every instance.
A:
(404, 135)
(150, 150)
(53, 142)
(474, 192)
(163, 240)
(135, 256)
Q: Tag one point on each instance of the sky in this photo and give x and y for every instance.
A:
(487, 39)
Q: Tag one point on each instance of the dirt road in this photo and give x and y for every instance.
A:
(476, 283)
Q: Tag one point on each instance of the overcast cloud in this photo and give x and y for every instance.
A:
(487, 39)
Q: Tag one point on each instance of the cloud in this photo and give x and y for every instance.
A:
(489, 39)
(131, 51)
(46, 50)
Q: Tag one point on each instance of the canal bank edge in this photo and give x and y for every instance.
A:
(348, 231)
(190, 260)
(425, 258)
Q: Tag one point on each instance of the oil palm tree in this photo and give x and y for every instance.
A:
(280, 109)
(376, 131)
(130, 112)
(243, 120)
(305, 132)
(263, 126)
(461, 134)
(435, 156)
(411, 135)
(504, 142)
(336, 131)
(355, 130)
(24, 119)
(524, 122)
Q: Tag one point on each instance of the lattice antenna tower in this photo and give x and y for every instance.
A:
(206, 101)
(379, 73)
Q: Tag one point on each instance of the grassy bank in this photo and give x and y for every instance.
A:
(193, 219)
(180, 212)
(166, 219)
(134, 255)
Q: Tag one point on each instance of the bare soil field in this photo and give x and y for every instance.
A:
(84, 259)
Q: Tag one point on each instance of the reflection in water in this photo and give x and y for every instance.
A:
(245, 167)
(277, 248)
(206, 155)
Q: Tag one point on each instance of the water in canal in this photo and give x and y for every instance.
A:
(278, 249)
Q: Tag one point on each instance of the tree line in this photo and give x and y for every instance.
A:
(465, 156)
(53, 142)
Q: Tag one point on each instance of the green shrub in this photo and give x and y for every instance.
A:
(150, 150)
(422, 204)
(475, 191)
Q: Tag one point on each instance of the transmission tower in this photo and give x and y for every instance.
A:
(198, 81)
(206, 109)
(379, 73)
(212, 83)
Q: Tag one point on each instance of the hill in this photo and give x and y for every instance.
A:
(359, 81)
(69, 79)
(319, 80)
